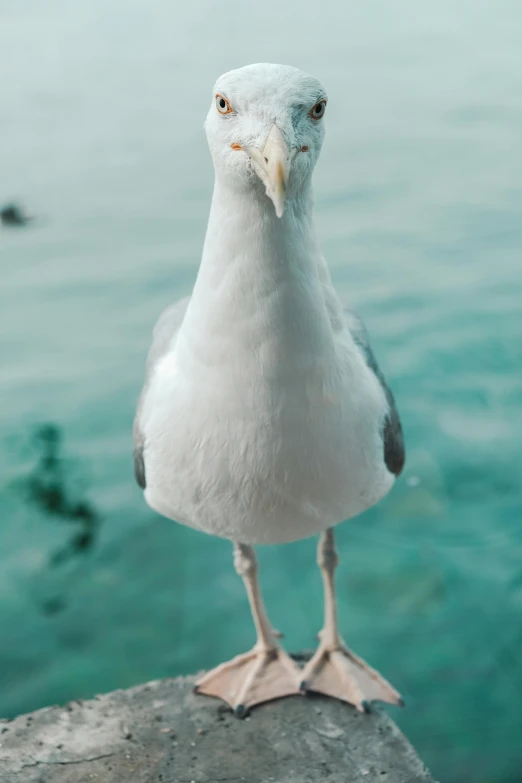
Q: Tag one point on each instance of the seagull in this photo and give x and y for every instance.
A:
(264, 417)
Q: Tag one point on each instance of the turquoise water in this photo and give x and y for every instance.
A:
(419, 208)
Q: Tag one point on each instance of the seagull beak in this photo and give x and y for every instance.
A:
(272, 165)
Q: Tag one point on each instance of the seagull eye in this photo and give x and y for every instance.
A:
(317, 112)
(222, 105)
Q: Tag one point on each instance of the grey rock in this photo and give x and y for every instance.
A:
(163, 733)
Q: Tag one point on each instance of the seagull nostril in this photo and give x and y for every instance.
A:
(266, 160)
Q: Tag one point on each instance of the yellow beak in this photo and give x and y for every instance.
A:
(272, 165)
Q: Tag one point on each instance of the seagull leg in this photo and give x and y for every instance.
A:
(334, 669)
(264, 673)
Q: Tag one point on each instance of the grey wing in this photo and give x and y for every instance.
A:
(393, 441)
(166, 327)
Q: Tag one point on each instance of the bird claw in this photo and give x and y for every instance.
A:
(252, 678)
(341, 674)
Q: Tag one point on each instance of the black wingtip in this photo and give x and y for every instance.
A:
(139, 468)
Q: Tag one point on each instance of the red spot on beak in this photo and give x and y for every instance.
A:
(236, 146)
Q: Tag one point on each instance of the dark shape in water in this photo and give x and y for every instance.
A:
(46, 487)
(81, 542)
(13, 215)
(53, 606)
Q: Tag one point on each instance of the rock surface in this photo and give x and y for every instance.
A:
(163, 733)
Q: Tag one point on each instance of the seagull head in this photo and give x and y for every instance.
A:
(265, 130)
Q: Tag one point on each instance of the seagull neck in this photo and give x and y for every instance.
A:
(243, 227)
(250, 252)
(259, 279)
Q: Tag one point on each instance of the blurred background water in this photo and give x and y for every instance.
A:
(419, 208)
